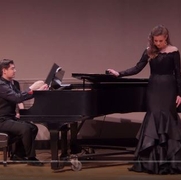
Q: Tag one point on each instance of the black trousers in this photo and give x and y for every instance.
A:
(22, 132)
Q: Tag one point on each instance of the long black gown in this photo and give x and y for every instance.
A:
(159, 139)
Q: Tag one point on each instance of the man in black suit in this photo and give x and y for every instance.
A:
(10, 96)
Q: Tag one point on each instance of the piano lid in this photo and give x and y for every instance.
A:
(98, 78)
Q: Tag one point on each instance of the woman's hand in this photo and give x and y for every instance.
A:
(113, 72)
(178, 101)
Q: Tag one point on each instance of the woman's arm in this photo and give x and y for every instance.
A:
(134, 70)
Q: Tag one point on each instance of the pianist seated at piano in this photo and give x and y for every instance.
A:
(159, 138)
(10, 96)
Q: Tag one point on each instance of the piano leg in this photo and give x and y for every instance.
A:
(54, 138)
(64, 143)
(74, 146)
(58, 163)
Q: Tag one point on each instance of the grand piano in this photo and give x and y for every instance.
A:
(94, 95)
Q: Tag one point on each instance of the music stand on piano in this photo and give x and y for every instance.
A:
(55, 78)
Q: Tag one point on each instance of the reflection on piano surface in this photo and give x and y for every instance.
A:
(96, 95)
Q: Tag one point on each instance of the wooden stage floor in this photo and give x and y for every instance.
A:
(92, 169)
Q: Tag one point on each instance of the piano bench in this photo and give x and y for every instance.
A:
(4, 146)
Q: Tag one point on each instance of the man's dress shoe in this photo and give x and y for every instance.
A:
(15, 157)
(33, 161)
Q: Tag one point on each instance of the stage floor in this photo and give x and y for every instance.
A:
(96, 168)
